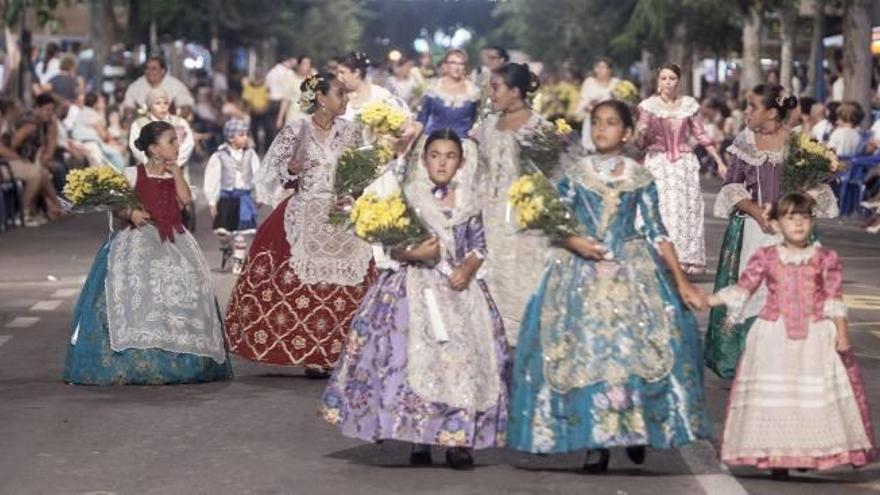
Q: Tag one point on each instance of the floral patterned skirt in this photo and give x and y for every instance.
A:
(369, 398)
(583, 372)
(681, 204)
(274, 318)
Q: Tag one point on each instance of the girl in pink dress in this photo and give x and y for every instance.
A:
(798, 400)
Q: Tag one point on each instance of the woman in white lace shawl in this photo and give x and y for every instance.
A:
(410, 371)
(303, 278)
(516, 259)
(752, 184)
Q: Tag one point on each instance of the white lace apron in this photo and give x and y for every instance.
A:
(451, 356)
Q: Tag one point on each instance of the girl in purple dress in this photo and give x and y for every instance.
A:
(409, 372)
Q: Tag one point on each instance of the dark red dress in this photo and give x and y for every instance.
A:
(273, 316)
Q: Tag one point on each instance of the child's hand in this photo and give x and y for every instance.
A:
(460, 278)
(693, 296)
(426, 251)
(344, 203)
(841, 339)
(173, 168)
(213, 210)
(585, 247)
(139, 217)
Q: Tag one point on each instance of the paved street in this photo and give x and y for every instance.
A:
(260, 433)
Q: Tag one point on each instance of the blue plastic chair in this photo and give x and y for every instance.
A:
(851, 189)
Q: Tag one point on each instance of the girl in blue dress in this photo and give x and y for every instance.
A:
(147, 313)
(608, 353)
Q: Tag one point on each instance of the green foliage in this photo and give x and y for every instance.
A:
(321, 29)
(557, 31)
(44, 8)
(713, 25)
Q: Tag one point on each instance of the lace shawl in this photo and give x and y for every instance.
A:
(459, 369)
(472, 93)
(320, 252)
(687, 108)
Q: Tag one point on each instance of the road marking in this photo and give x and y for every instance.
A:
(23, 322)
(4, 339)
(864, 324)
(50, 305)
(871, 303)
(714, 478)
(64, 293)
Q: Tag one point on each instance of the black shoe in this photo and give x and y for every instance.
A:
(637, 453)
(597, 466)
(779, 474)
(317, 373)
(420, 455)
(459, 458)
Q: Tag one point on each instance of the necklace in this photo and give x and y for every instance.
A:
(667, 102)
(323, 127)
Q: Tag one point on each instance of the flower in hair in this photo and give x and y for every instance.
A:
(307, 100)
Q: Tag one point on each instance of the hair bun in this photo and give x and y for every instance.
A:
(534, 82)
(140, 144)
(790, 102)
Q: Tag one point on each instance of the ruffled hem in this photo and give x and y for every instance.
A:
(855, 458)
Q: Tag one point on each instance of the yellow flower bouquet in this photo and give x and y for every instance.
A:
(807, 163)
(538, 206)
(357, 168)
(626, 92)
(542, 151)
(381, 118)
(97, 189)
(388, 221)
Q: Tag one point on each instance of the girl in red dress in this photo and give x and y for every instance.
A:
(304, 278)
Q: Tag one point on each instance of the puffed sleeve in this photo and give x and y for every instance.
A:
(187, 144)
(260, 196)
(425, 110)
(281, 153)
(273, 173)
(649, 208)
(213, 176)
(695, 122)
(736, 296)
(733, 191)
(475, 237)
(832, 284)
(826, 201)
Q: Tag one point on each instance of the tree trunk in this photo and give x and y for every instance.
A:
(12, 62)
(102, 34)
(857, 53)
(751, 41)
(788, 17)
(814, 71)
(677, 53)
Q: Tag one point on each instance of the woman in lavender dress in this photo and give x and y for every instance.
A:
(409, 372)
